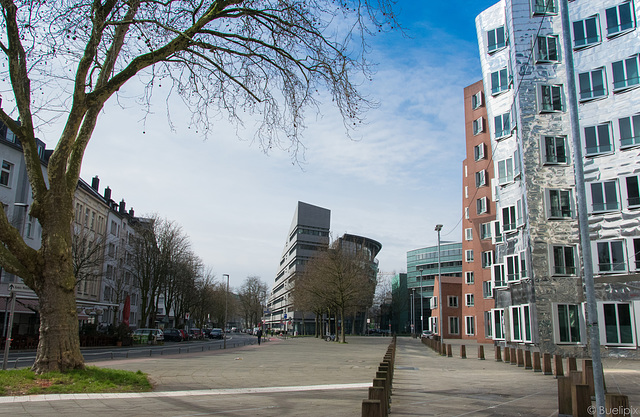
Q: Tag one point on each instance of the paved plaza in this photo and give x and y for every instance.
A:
(310, 377)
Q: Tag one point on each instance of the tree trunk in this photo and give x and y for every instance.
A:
(342, 339)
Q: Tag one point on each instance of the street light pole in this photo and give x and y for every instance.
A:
(441, 305)
(413, 311)
(421, 305)
(226, 310)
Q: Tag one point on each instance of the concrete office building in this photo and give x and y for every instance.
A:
(537, 273)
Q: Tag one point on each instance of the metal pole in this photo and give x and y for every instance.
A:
(583, 218)
(421, 306)
(7, 343)
(441, 304)
(226, 309)
(413, 311)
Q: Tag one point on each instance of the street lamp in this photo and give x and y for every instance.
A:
(441, 305)
(413, 311)
(421, 304)
(226, 309)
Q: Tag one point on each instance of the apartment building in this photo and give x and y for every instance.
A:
(537, 270)
(479, 222)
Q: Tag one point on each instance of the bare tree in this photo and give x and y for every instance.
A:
(266, 57)
(252, 296)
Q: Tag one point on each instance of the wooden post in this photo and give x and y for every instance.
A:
(514, 356)
(444, 349)
(480, 352)
(382, 383)
(449, 352)
(571, 364)
(527, 360)
(617, 405)
(498, 354)
(587, 376)
(377, 393)
(371, 408)
(580, 400)
(463, 352)
(546, 364)
(507, 355)
(520, 360)
(557, 366)
(537, 367)
(576, 377)
(564, 395)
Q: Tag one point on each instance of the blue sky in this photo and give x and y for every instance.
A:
(400, 177)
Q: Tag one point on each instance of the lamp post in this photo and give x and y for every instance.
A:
(441, 305)
(413, 311)
(421, 305)
(226, 310)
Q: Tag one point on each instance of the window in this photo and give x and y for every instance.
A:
(478, 126)
(453, 301)
(468, 234)
(29, 226)
(487, 258)
(466, 212)
(479, 152)
(520, 323)
(523, 264)
(468, 277)
(485, 230)
(468, 255)
(496, 39)
(497, 323)
(554, 150)
(568, 325)
(509, 219)
(611, 256)
(636, 254)
(498, 277)
(466, 191)
(481, 178)
(547, 49)
(476, 100)
(604, 196)
(468, 300)
(598, 139)
(433, 303)
(625, 73)
(619, 19)
(481, 205)
(5, 173)
(550, 98)
(487, 289)
(502, 126)
(512, 263)
(633, 191)
(544, 7)
(469, 325)
(497, 232)
(564, 260)
(585, 32)
(499, 81)
(629, 131)
(454, 325)
(559, 204)
(592, 84)
(505, 171)
(488, 328)
(618, 323)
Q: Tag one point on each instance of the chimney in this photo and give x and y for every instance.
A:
(107, 194)
(122, 206)
(131, 212)
(95, 183)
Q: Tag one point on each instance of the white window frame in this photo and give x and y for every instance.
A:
(454, 325)
(487, 289)
(469, 277)
(498, 277)
(488, 328)
(586, 41)
(621, 69)
(524, 270)
(469, 300)
(477, 100)
(548, 97)
(478, 126)
(599, 194)
(520, 323)
(550, 147)
(479, 152)
(502, 126)
(487, 258)
(545, 47)
(616, 13)
(433, 302)
(509, 219)
(631, 186)
(512, 268)
(589, 88)
(556, 196)
(470, 325)
(497, 324)
(466, 213)
(486, 231)
(602, 319)
(630, 127)
(566, 268)
(468, 255)
(500, 81)
(482, 205)
(603, 251)
(497, 237)
(6, 173)
(505, 171)
(468, 234)
(598, 133)
(578, 323)
(452, 301)
(481, 178)
(493, 34)
(544, 7)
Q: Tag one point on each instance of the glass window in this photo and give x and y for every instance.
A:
(551, 98)
(547, 49)
(554, 150)
(629, 131)
(487, 258)
(468, 255)
(560, 204)
(564, 261)
(476, 100)
(479, 152)
(498, 323)
(481, 205)
(604, 196)
(512, 263)
(468, 234)
(597, 139)
(625, 73)
(496, 39)
(568, 323)
(478, 126)
(544, 7)
(633, 191)
(611, 256)
(485, 230)
(5, 173)
(468, 277)
(619, 19)
(505, 171)
(618, 323)
(498, 277)
(487, 291)
(585, 32)
(470, 326)
(454, 325)
(453, 301)
(481, 178)
(469, 300)
(499, 81)
(502, 126)
(592, 84)
(509, 218)
(636, 253)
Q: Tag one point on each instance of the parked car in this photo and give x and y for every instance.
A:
(426, 334)
(195, 334)
(148, 336)
(173, 335)
(216, 334)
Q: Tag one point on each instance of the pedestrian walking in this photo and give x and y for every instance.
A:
(259, 336)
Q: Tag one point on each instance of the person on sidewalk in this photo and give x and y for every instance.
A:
(259, 336)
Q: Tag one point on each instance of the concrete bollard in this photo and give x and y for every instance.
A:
(537, 367)
(557, 366)
(480, 352)
(564, 396)
(580, 400)
(527, 360)
(546, 364)
(371, 408)
(463, 352)
(498, 354)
